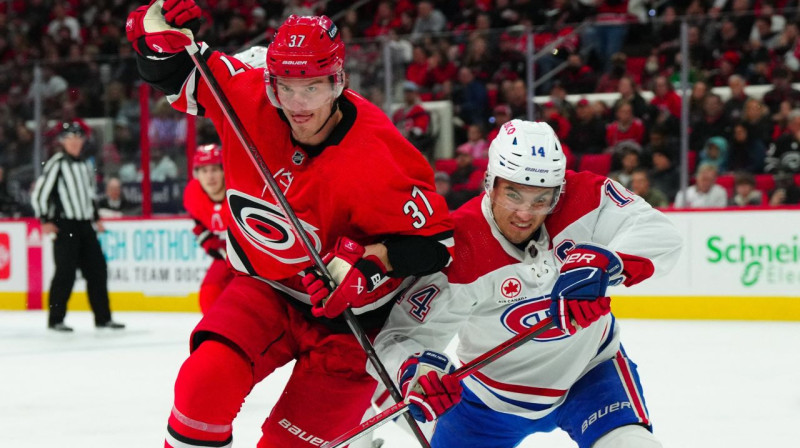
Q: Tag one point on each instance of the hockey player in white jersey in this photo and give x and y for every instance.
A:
(540, 241)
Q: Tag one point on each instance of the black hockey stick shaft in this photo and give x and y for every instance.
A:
(460, 373)
(297, 227)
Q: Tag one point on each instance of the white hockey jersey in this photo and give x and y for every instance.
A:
(493, 290)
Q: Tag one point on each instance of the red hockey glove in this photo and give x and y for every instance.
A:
(361, 280)
(215, 246)
(163, 28)
(579, 293)
(427, 385)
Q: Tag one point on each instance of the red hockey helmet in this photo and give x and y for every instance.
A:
(207, 155)
(305, 47)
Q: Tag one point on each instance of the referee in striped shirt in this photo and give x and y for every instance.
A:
(63, 199)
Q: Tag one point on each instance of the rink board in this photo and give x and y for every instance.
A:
(735, 264)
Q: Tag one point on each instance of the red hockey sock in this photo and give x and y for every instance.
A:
(209, 391)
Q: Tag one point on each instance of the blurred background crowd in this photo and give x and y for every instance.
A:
(744, 143)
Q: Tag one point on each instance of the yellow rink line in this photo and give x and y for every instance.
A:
(120, 301)
(638, 307)
(706, 307)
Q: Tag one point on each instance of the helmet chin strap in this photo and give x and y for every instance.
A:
(334, 108)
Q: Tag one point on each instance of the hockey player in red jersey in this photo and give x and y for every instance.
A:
(204, 200)
(364, 195)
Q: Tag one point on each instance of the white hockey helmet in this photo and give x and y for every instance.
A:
(527, 153)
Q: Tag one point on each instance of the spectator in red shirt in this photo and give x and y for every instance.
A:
(500, 116)
(440, 68)
(413, 120)
(664, 97)
(578, 77)
(552, 115)
(385, 19)
(625, 127)
(417, 71)
(609, 81)
(467, 180)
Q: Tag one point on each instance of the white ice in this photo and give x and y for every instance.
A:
(707, 384)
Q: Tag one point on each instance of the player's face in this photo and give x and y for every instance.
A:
(306, 102)
(520, 209)
(211, 178)
(73, 144)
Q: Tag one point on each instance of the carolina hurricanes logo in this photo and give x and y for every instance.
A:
(511, 288)
(268, 230)
(527, 313)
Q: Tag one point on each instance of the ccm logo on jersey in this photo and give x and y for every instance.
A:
(266, 228)
(527, 313)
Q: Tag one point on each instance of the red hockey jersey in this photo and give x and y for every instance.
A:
(210, 223)
(367, 184)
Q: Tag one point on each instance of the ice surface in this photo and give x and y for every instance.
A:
(707, 384)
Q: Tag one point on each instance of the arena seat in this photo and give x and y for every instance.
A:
(596, 163)
(727, 182)
(765, 182)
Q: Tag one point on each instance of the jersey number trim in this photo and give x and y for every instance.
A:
(421, 302)
(615, 195)
(411, 208)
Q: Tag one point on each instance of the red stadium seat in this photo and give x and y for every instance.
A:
(446, 165)
(596, 163)
(635, 67)
(726, 181)
(765, 182)
(449, 165)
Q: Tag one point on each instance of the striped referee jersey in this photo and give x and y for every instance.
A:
(65, 190)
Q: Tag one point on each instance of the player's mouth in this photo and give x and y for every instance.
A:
(300, 118)
(521, 226)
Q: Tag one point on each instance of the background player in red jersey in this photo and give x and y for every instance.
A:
(204, 200)
(364, 195)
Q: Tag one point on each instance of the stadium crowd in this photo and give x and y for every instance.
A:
(472, 53)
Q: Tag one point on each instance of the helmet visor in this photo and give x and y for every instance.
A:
(304, 94)
(535, 200)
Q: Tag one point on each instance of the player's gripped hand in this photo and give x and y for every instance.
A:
(182, 14)
(579, 293)
(428, 385)
(361, 280)
(163, 28)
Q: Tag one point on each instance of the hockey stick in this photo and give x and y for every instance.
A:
(308, 246)
(461, 373)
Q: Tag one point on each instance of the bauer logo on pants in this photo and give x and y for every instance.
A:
(5, 256)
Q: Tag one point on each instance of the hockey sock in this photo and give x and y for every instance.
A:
(209, 391)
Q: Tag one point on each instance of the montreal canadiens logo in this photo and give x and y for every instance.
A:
(511, 288)
(527, 313)
(268, 230)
